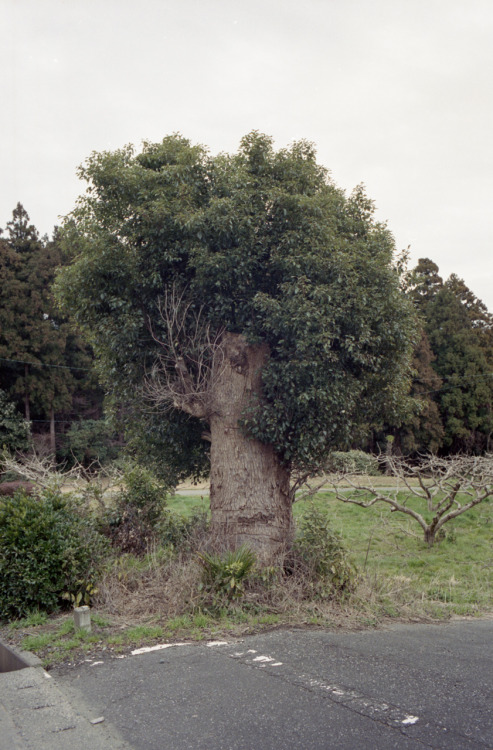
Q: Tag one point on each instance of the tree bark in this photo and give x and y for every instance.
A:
(52, 431)
(27, 408)
(249, 495)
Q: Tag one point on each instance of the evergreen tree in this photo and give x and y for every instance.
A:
(464, 364)
(460, 333)
(423, 431)
(423, 284)
(37, 346)
(14, 430)
(265, 302)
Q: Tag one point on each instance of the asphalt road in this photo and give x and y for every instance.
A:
(411, 686)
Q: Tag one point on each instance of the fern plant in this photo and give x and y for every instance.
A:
(226, 575)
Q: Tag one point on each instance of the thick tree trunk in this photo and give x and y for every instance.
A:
(52, 431)
(250, 501)
(27, 407)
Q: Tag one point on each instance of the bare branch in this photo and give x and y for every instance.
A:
(441, 483)
(190, 359)
(42, 471)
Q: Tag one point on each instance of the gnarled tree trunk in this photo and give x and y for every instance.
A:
(249, 495)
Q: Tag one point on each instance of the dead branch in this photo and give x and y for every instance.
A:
(190, 359)
(41, 470)
(301, 480)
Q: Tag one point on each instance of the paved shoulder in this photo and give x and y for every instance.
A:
(408, 687)
(36, 715)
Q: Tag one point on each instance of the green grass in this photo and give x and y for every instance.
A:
(54, 644)
(187, 504)
(32, 619)
(457, 570)
(143, 633)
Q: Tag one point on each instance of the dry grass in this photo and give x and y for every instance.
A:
(156, 586)
(159, 589)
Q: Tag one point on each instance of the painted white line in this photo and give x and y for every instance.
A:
(95, 663)
(147, 649)
(217, 643)
(363, 704)
(259, 661)
(391, 715)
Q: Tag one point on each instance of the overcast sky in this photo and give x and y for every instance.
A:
(397, 94)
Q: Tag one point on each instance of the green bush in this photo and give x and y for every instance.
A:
(133, 523)
(178, 532)
(48, 548)
(322, 554)
(89, 441)
(15, 431)
(353, 462)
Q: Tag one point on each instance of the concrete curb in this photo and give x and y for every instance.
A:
(35, 715)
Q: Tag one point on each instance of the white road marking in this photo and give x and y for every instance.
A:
(217, 643)
(355, 701)
(363, 704)
(147, 649)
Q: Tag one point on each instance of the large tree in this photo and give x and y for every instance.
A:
(246, 314)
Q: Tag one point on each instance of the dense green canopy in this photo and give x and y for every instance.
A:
(264, 244)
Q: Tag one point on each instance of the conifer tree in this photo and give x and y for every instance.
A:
(459, 328)
(37, 346)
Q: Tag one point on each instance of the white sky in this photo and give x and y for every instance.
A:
(397, 94)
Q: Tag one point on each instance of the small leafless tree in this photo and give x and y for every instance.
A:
(444, 487)
(190, 358)
(41, 472)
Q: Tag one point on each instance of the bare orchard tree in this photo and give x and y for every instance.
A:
(444, 488)
(36, 470)
(40, 472)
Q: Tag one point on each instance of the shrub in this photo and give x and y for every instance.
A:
(88, 441)
(353, 462)
(15, 432)
(322, 554)
(48, 548)
(181, 533)
(133, 523)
